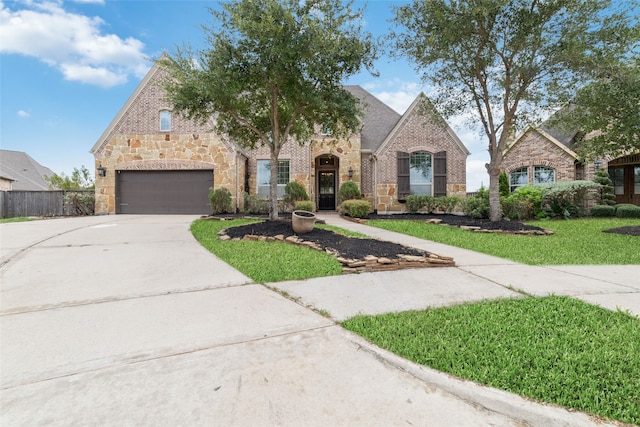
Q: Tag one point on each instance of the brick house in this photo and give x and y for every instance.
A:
(541, 155)
(149, 160)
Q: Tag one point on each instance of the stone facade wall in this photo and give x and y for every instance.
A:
(418, 134)
(167, 152)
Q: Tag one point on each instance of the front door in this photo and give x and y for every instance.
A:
(327, 190)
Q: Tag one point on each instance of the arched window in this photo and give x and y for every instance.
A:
(543, 175)
(518, 178)
(165, 121)
(420, 173)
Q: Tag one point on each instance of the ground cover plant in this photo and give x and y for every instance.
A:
(264, 262)
(554, 349)
(574, 242)
(16, 219)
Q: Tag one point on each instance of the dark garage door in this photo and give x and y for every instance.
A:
(163, 192)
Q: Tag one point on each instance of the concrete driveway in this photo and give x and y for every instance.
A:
(127, 320)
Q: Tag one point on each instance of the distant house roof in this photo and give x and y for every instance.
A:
(26, 173)
(378, 121)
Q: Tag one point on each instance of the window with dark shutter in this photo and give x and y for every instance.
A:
(403, 175)
(440, 174)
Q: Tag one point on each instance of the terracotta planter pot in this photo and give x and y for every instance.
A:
(302, 221)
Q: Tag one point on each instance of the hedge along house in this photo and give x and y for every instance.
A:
(150, 160)
(542, 155)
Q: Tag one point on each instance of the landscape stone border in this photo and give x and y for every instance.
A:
(369, 263)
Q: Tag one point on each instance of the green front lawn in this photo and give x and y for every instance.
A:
(264, 262)
(574, 242)
(16, 219)
(553, 349)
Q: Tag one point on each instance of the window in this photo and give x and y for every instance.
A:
(617, 176)
(636, 180)
(518, 178)
(543, 175)
(420, 173)
(264, 175)
(165, 120)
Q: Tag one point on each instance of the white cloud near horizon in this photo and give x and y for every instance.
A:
(24, 114)
(72, 43)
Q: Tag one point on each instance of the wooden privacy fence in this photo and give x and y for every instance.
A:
(37, 203)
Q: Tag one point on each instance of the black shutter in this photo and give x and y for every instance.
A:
(440, 174)
(404, 188)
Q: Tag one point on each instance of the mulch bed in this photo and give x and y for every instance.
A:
(630, 230)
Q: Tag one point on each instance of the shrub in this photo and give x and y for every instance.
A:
(603, 211)
(348, 191)
(628, 211)
(503, 185)
(255, 204)
(220, 200)
(566, 198)
(80, 203)
(477, 206)
(355, 208)
(415, 202)
(447, 203)
(524, 203)
(604, 194)
(305, 205)
(294, 192)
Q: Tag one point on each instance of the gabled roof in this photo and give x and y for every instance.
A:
(547, 135)
(414, 109)
(378, 121)
(27, 174)
(104, 138)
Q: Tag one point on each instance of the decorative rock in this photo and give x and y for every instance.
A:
(279, 237)
(385, 261)
(433, 221)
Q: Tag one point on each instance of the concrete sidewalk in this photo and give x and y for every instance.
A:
(476, 277)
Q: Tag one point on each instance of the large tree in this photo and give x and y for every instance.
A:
(272, 71)
(606, 112)
(508, 61)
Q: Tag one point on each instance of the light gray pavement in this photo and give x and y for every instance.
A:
(475, 277)
(126, 320)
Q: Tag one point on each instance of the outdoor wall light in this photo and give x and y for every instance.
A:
(350, 172)
(102, 171)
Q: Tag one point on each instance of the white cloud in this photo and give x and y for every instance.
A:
(72, 43)
(89, 1)
(24, 114)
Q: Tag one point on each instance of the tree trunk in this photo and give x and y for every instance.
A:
(494, 195)
(273, 186)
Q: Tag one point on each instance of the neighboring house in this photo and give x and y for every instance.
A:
(20, 172)
(155, 161)
(542, 155)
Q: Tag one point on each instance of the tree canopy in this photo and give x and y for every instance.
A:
(80, 179)
(271, 71)
(509, 61)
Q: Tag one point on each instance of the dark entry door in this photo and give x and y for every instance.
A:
(327, 190)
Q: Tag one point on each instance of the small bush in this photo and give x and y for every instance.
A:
(220, 200)
(305, 205)
(355, 208)
(524, 203)
(566, 198)
(256, 205)
(604, 194)
(415, 202)
(603, 211)
(294, 192)
(447, 204)
(628, 211)
(348, 191)
(80, 203)
(477, 206)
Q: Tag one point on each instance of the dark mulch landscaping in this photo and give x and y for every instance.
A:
(461, 220)
(347, 247)
(630, 230)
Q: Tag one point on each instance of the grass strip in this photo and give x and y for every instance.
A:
(264, 262)
(554, 349)
(574, 242)
(16, 219)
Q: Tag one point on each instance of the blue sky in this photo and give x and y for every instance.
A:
(67, 67)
